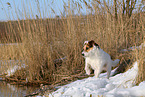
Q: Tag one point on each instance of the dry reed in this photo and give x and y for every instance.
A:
(41, 41)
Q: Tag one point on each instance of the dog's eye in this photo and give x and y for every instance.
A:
(87, 48)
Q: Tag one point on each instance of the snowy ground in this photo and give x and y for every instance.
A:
(9, 67)
(134, 47)
(121, 85)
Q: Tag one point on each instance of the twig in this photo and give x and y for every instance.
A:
(72, 77)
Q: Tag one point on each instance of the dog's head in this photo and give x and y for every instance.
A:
(89, 48)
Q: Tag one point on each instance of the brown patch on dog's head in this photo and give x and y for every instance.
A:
(89, 45)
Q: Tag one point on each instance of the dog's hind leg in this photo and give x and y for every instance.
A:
(108, 70)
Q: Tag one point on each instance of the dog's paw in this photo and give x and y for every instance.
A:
(88, 73)
(96, 76)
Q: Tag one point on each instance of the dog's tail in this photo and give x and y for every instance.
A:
(115, 62)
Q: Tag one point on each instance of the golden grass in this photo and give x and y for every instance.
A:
(140, 57)
(41, 41)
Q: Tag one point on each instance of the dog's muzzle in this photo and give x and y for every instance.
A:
(83, 54)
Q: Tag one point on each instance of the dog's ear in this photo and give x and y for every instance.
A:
(86, 42)
(96, 45)
(92, 42)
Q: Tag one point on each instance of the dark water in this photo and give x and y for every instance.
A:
(7, 90)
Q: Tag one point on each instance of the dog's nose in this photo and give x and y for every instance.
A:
(82, 54)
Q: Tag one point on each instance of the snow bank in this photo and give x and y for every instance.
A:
(9, 67)
(134, 47)
(117, 86)
(136, 91)
(12, 70)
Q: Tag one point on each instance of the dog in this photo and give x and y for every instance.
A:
(97, 59)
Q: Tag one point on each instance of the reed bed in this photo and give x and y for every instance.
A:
(39, 42)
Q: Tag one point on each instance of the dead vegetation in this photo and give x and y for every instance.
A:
(42, 41)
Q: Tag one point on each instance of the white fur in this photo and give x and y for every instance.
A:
(97, 59)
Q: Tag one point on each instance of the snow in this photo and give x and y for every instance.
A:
(121, 85)
(134, 47)
(129, 92)
(12, 70)
(9, 67)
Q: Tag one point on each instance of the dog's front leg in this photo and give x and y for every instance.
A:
(87, 69)
(97, 73)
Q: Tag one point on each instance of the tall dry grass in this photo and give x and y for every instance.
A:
(41, 41)
(140, 57)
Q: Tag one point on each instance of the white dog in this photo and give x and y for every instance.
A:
(97, 59)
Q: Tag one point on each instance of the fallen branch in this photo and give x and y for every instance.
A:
(2, 77)
(72, 77)
(42, 90)
(26, 83)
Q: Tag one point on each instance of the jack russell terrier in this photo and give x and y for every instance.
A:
(97, 59)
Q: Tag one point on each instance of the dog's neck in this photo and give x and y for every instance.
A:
(95, 52)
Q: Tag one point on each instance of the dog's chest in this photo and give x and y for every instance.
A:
(94, 63)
